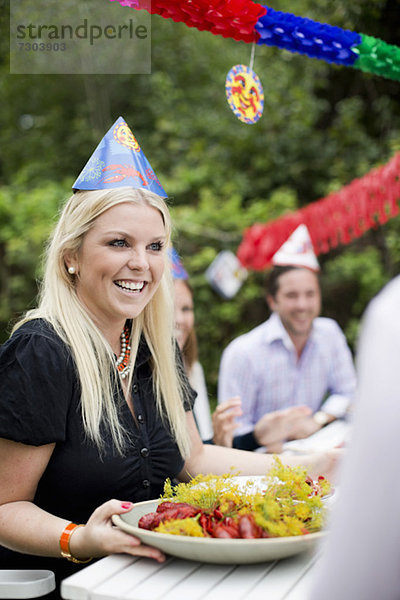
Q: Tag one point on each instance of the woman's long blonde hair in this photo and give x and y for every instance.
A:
(95, 361)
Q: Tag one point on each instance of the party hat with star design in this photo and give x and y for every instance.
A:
(118, 161)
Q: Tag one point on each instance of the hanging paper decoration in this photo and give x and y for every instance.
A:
(337, 219)
(225, 274)
(246, 21)
(245, 94)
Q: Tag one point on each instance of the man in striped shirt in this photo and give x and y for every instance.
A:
(294, 373)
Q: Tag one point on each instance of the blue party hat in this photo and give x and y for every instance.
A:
(177, 268)
(118, 161)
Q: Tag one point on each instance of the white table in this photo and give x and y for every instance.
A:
(121, 577)
(333, 435)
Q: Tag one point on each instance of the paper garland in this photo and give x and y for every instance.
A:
(230, 18)
(332, 44)
(246, 21)
(337, 219)
(308, 37)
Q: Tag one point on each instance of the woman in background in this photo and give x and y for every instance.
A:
(220, 428)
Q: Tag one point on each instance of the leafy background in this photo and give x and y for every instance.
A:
(323, 126)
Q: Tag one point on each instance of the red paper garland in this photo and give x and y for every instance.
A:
(230, 18)
(337, 219)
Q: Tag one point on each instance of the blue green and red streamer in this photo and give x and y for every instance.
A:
(247, 21)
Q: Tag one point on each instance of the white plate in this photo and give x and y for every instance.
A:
(21, 583)
(211, 550)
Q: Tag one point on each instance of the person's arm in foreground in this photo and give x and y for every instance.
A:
(26, 528)
(362, 557)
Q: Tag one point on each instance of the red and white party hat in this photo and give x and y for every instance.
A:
(297, 251)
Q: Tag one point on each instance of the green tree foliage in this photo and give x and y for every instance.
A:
(26, 217)
(323, 126)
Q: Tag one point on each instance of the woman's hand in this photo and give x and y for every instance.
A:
(224, 423)
(100, 537)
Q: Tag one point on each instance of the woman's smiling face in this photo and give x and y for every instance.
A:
(120, 263)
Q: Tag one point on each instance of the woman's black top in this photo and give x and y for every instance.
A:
(40, 404)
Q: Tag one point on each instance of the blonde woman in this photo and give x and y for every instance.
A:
(95, 407)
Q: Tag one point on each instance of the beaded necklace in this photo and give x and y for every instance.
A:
(122, 363)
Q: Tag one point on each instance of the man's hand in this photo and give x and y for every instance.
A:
(274, 428)
(307, 426)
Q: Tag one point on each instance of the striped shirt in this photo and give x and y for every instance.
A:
(262, 368)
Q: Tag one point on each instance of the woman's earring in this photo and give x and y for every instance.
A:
(71, 270)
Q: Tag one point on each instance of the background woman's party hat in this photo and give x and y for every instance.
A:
(177, 268)
(118, 161)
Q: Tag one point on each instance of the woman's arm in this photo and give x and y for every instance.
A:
(206, 459)
(26, 528)
(21, 522)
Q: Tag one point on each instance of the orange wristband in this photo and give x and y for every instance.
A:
(64, 544)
